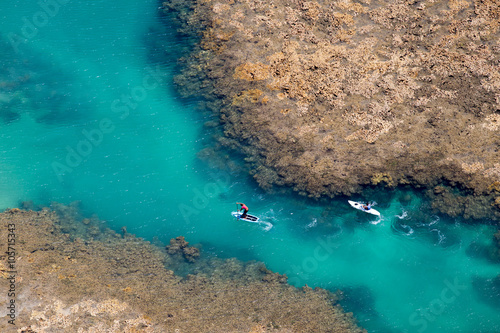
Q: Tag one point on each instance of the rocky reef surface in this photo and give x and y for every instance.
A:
(63, 272)
(333, 97)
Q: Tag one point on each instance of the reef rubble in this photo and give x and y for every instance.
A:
(329, 98)
(92, 279)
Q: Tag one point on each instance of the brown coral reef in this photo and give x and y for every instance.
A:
(331, 96)
(179, 246)
(106, 282)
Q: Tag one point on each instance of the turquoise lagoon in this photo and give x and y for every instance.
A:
(89, 112)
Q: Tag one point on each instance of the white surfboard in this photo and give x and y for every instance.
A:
(359, 206)
(252, 219)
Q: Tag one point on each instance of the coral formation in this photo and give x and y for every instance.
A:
(107, 282)
(382, 178)
(454, 203)
(325, 97)
(180, 246)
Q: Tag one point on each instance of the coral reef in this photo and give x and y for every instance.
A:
(180, 246)
(102, 281)
(454, 203)
(326, 97)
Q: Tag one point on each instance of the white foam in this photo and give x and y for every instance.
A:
(313, 223)
(411, 230)
(441, 236)
(436, 220)
(268, 225)
(403, 215)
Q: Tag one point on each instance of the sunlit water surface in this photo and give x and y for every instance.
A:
(88, 112)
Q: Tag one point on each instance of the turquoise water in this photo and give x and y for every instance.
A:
(88, 112)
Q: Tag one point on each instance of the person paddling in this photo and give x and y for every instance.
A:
(245, 209)
(367, 206)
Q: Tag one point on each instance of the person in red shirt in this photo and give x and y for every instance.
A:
(245, 209)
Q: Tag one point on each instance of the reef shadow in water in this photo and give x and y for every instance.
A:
(33, 85)
(361, 301)
(226, 252)
(487, 290)
(478, 250)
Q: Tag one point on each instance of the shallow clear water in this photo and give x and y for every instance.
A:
(88, 113)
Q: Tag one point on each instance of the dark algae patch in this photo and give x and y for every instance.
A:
(92, 279)
(331, 98)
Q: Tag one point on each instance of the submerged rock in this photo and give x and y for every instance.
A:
(180, 246)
